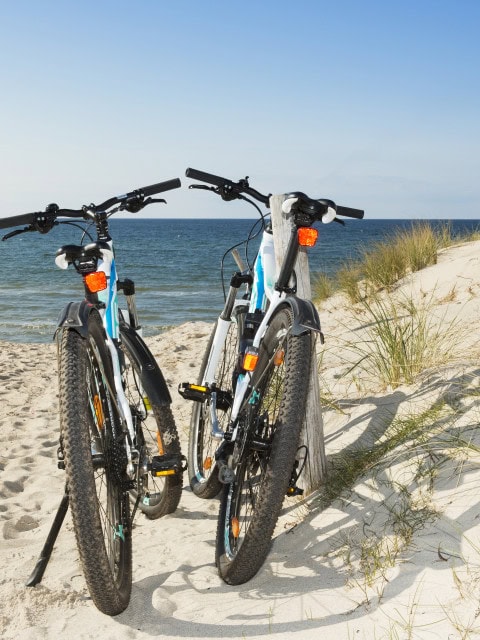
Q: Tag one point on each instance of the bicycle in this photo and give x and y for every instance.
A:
(249, 402)
(118, 440)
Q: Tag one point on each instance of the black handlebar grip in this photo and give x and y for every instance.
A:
(195, 174)
(16, 221)
(167, 185)
(348, 212)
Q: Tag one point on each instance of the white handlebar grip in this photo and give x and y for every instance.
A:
(288, 204)
(61, 261)
(329, 216)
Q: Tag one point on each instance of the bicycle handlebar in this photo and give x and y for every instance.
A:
(228, 189)
(52, 212)
(16, 221)
(348, 212)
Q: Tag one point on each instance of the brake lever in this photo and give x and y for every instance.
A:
(153, 200)
(203, 186)
(17, 232)
(339, 221)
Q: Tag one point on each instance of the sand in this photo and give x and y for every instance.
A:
(397, 556)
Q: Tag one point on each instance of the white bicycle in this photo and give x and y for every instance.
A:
(249, 402)
(118, 439)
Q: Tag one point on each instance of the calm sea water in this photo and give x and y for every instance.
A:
(174, 263)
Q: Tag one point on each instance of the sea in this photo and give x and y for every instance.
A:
(176, 265)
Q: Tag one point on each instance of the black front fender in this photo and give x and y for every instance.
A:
(305, 315)
(75, 316)
(151, 376)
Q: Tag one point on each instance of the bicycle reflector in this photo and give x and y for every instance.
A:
(95, 281)
(250, 359)
(307, 236)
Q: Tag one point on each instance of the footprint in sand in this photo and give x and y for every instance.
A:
(12, 530)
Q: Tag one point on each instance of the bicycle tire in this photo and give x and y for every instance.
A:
(272, 419)
(157, 434)
(95, 466)
(203, 472)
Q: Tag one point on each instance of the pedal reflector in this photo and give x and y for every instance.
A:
(167, 464)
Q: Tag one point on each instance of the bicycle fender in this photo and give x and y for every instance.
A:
(151, 375)
(75, 316)
(305, 315)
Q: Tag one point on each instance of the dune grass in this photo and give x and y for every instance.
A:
(401, 468)
(382, 265)
(401, 338)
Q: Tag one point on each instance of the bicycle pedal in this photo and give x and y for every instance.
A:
(200, 393)
(195, 392)
(169, 464)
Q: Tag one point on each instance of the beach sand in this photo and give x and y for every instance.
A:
(396, 556)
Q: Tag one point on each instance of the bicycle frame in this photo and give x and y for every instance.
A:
(106, 304)
(111, 323)
(263, 297)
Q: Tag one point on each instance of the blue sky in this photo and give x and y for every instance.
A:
(373, 104)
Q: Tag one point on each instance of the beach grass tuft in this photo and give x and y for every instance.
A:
(386, 262)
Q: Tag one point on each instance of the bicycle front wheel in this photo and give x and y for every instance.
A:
(156, 435)
(203, 471)
(265, 448)
(95, 464)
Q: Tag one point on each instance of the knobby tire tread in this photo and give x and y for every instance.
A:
(255, 546)
(110, 594)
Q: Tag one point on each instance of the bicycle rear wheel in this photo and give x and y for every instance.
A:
(95, 463)
(156, 435)
(203, 471)
(264, 454)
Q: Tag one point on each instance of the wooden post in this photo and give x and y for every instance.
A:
(312, 430)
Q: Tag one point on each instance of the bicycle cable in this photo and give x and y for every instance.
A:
(251, 236)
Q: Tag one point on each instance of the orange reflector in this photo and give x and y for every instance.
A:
(279, 357)
(307, 236)
(250, 360)
(96, 281)
(161, 450)
(97, 405)
(235, 527)
(207, 463)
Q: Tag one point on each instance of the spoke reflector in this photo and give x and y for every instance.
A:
(161, 449)
(97, 405)
(279, 357)
(207, 463)
(235, 527)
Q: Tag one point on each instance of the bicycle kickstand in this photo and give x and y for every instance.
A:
(37, 574)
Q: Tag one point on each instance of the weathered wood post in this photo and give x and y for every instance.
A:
(312, 430)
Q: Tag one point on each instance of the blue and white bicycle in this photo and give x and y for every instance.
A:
(118, 440)
(250, 399)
